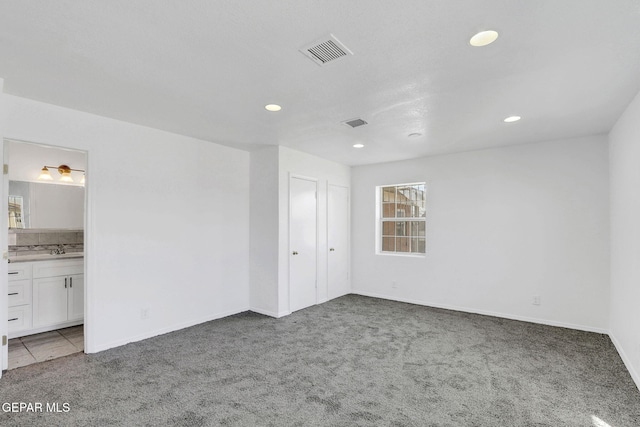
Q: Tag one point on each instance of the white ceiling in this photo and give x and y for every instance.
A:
(206, 69)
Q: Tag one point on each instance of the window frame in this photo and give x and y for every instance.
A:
(380, 219)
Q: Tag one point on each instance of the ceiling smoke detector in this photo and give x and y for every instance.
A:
(324, 50)
(354, 123)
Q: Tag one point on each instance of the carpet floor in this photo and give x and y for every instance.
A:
(353, 361)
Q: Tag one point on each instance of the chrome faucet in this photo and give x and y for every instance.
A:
(58, 251)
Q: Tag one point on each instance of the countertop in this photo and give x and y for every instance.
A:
(45, 257)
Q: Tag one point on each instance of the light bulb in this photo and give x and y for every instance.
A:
(45, 174)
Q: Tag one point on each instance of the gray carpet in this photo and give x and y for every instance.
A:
(353, 361)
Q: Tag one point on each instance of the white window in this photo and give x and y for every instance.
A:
(402, 219)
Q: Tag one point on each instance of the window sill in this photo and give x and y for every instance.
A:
(404, 255)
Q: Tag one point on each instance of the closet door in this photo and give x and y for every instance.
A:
(303, 235)
(338, 240)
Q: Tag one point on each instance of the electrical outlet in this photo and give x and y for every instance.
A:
(144, 313)
(536, 300)
(394, 284)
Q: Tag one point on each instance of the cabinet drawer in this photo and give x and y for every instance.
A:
(19, 271)
(19, 318)
(19, 292)
(57, 268)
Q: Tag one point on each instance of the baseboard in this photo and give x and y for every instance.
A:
(270, 313)
(626, 359)
(265, 312)
(485, 312)
(339, 295)
(162, 331)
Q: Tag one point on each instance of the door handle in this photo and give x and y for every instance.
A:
(331, 250)
(13, 293)
(14, 272)
(295, 253)
(71, 282)
(65, 283)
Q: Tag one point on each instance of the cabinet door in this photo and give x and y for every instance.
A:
(76, 297)
(49, 301)
(20, 292)
(19, 318)
(20, 271)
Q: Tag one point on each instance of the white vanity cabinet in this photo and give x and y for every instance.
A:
(45, 295)
(20, 316)
(58, 292)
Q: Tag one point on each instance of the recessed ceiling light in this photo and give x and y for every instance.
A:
(358, 145)
(483, 38)
(415, 135)
(272, 107)
(512, 119)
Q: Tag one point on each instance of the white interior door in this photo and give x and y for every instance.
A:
(303, 235)
(338, 240)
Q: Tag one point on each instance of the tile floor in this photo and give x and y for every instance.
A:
(45, 346)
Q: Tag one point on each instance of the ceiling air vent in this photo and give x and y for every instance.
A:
(324, 50)
(354, 123)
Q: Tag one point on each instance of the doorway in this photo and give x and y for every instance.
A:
(303, 242)
(46, 251)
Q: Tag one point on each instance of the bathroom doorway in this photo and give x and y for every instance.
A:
(46, 214)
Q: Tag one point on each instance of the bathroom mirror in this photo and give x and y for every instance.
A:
(36, 205)
(15, 212)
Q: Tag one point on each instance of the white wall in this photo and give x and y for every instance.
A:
(503, 225)
(624, 152)
(264, 231)
(167, 226)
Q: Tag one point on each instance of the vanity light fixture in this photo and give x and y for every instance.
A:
(64, 170)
